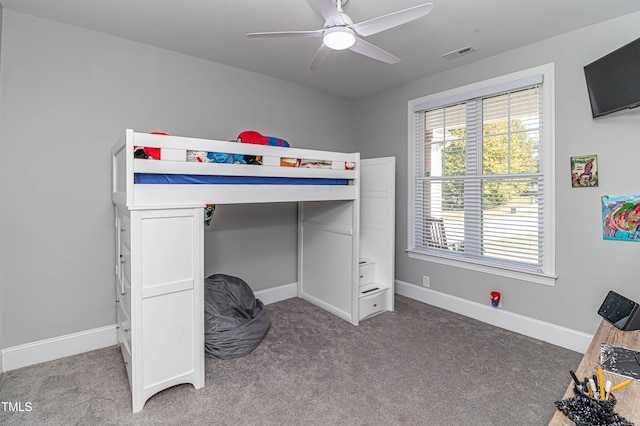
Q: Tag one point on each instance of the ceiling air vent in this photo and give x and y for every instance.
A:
(459, 52)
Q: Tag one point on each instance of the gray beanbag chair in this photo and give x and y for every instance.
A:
(235, 321)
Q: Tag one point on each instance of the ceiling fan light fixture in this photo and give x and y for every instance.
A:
(339, 38)
(340, 32)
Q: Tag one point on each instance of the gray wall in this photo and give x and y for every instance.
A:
(587, 266)
(67, 95)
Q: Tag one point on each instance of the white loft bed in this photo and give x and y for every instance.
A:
(159, 247)
(125, 166)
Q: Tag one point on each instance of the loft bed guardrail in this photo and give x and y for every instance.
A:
(172, 180)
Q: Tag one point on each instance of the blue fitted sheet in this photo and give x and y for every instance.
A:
(152, 178)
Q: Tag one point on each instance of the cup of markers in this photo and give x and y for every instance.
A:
(593, 404)
(596, 388)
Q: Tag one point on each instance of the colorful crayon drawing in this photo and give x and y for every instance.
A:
(621, 217)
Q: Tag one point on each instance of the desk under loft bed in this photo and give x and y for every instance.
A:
(159, 220)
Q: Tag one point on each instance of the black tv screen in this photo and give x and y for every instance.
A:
(613, 81)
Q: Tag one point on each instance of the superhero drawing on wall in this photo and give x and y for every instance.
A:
(584, 171)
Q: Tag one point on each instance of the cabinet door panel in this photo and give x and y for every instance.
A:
(168, 337)
(168, 250)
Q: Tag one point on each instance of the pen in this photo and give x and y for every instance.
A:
(601, 382)
(619, 385)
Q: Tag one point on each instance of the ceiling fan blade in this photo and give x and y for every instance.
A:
(382, 23)
(314, 33)
(319, 57)
(367, 49)
(330, 12)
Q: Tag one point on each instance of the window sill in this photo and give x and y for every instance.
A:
(537, 278)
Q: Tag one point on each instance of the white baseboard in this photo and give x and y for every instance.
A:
(57, 347)
(75, 343)
(277, 294)
(541, 330)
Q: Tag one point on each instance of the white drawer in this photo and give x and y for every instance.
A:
(123, 294)
(126, 356)
(124, 325)
(372, 304)
(366, 273)
(125, 229)
(125, 268)
(126, 295)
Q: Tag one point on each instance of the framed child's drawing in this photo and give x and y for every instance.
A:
(584, 171)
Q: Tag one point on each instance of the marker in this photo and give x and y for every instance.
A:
(601, 382)
(597, 386)
(575, 379)
(592, 388)
(620, 385)
(607, 389)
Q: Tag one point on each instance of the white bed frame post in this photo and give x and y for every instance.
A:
(355, 256)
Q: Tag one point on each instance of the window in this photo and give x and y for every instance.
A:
(481, 176)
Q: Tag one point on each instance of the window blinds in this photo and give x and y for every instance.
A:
(478, 176)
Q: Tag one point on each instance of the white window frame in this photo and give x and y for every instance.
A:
(483, 88)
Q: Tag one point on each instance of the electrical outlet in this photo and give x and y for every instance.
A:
(426, 281)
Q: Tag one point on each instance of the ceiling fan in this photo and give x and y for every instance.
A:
(341, 33)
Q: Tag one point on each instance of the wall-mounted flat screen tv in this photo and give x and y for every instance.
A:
(613, 81)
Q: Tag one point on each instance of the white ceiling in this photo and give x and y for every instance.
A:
(215, 30)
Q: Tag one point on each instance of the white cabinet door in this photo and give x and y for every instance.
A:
(162, 310)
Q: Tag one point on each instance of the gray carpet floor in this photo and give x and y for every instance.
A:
(419, 365)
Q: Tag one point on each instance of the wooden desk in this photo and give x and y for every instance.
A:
(628, 396)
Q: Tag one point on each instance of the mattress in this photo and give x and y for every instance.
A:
(174, 179)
